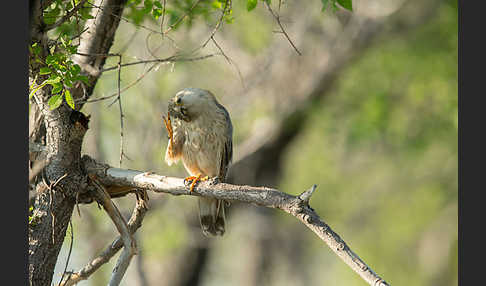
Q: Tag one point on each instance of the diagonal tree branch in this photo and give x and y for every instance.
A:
(128, 242)
(134, 223)
(296, 206)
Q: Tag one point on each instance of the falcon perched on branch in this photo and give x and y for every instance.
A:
(200, 134)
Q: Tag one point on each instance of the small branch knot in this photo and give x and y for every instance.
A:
(340, 246)
(305, 196)
(308, 219)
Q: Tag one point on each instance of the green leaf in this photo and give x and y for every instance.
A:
(55, 101)
(57, 87)
(75, 70)
(157, 3)
(69, 98)
(52, 79)
(44, 70)
(251, 4)
(83, 78)
(324, 5)
(148, 4)
(51, 16)
(36, 49)
(347, 4)
(156, 13)
(216, 4)
(51, 59)
(33, 91)
(85, 13)
(68, 82)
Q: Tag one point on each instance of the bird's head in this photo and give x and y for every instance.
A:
(188, 103)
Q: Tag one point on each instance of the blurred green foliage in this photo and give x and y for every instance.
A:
(382, 148)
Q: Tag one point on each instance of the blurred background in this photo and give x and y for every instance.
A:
(368, 112)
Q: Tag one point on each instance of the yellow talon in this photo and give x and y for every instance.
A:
(168, 126)
(194, 180)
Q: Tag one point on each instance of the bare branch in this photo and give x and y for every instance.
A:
(277, 18)
(296, 206)
(125, 88)
(134, 223)
(156, 62)
(128, 242)
(227, 5)
(120, 107)
(70, 250)
(181, 18)
(174, 58)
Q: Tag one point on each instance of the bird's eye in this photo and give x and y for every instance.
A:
(178, 100)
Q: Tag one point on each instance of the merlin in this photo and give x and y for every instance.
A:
(200, 135)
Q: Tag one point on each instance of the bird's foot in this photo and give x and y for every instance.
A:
(214, 181)
(194, 180)
(168, 126)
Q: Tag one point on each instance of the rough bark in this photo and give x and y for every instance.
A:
(62, 130)
(297, 206)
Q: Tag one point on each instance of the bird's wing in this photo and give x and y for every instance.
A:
(227, 154)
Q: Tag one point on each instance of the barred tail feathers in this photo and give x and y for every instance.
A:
(211, 216)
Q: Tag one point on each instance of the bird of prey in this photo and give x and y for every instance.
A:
(200, 135)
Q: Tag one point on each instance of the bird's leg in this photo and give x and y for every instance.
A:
(195, 179)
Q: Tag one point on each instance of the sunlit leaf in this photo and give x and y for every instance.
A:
(251, 4)
(57, 87)
(69, 99)
(348, 4)
(44, 70)
(53, 79)
(55, 101)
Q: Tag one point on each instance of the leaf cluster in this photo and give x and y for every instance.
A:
(65, 17)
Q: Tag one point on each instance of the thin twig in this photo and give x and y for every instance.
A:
(227, 5)
(124, 89)
(163, 17)
(174, 58)
(69, 253)
(230, 61)
(277, 18)
(181, 18)
(171, 59)
(129, 41)
(66, 17)
(121, 110)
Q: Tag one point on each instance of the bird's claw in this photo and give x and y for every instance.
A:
(194, 180)
(168, 126)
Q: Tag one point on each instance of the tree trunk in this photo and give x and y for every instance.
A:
(62, 131)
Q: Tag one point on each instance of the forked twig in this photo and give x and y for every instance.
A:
(129, 244)
(134, 223)
(277, 18)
